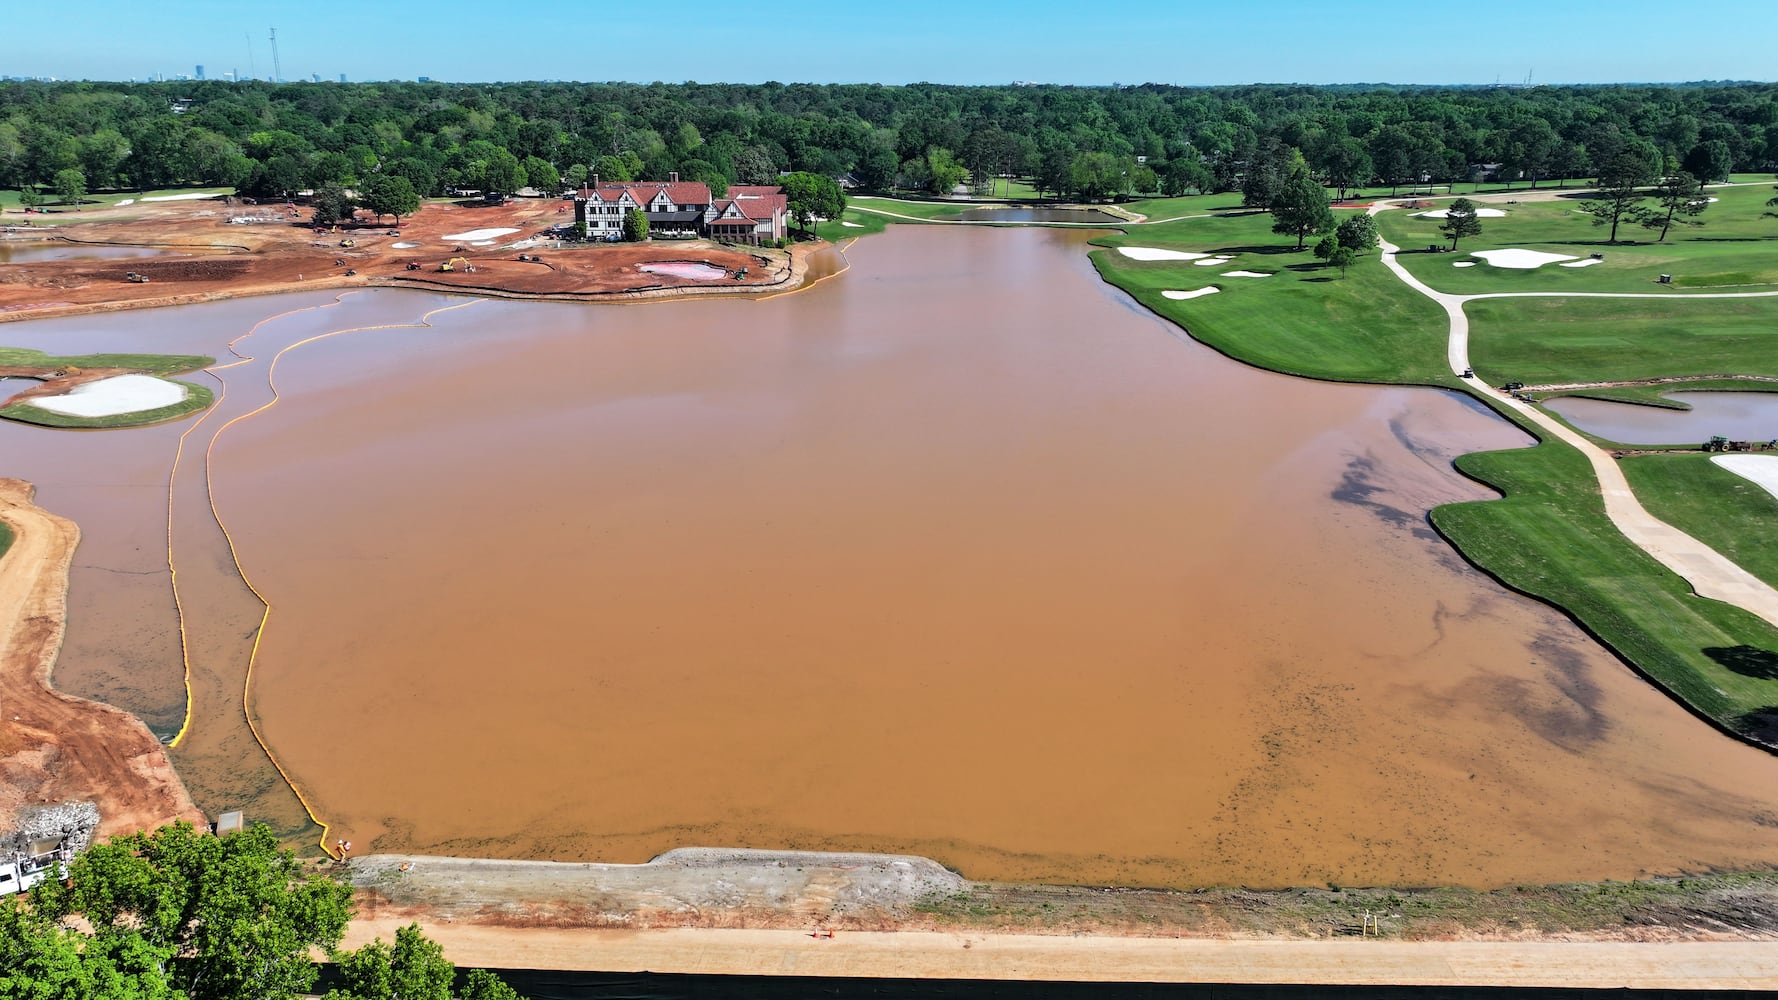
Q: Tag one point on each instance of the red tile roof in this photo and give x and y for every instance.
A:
(642, 192)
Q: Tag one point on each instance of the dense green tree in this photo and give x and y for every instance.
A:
(1348, 165)
(1096, 176)
(222, 918)
(1357, 233)
(102, 156)
(29, 196)
(1620, 193)
(943, 172)
(543, 176)
(1461, 220)
(1342, 258)
(391, 194)
(1710, 161)
(812, 196)
(1325, 247)
(613, 168)
(413, 968)
(1679, 200)
(1300, 207)
(332, 205)
(1186, 175)
(70, 185)
(635, 227)
(481, 984)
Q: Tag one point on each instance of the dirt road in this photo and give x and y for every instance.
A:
(55, 747)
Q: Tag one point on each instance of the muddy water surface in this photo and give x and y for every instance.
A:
(958, 554)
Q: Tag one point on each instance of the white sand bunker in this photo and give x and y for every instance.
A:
(1480, 213)
(1155, 253)
(1245, 274)
(1463, 263)
(109, 396)
(1524, 260)
(126, 201)
(1762, 470)
(194, 196)
(481, 243)
(1194, 293)
(1589, 262)
(404, 246)
(853, 225)
(480, 234)
(1212, 262)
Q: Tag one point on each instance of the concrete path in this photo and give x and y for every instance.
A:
(1710, 573)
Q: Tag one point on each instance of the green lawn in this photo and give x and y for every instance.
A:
(1305, 319)
(9, 199)
(1607, 340)
(1724, 511)
(198, 397)
(1735, 250)
(1549, 537)
(5, 538)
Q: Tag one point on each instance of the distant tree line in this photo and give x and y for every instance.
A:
(269, 140)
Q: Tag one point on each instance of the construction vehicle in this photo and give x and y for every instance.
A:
(457, 264)
(348, 243)
(413, 265)
(1717, 443)
(137, 277)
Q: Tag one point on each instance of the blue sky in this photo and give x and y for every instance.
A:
(1111, 41)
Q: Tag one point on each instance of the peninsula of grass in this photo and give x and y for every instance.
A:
(1656, 395)
(1549, 537)
(197, 397)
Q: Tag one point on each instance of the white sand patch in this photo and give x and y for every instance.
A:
(1712, 199)
(404, 246)
(1212, 262)
(1589, 262)
(481, 243)
(480, 234)
(126, 201)
(1480, 213)
(1463, 263)
(1524, 260)
(1245, 274)
(853, 225)
(108, 396)
(1155, 253)
(1762, 470)
(196, 196)
(1194, 293)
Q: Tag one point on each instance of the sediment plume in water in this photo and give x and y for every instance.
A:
(960, 555)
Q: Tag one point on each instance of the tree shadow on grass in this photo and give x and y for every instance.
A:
(1748, 661)
(1273, 249)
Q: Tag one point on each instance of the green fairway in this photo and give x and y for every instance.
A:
(1537, 340)
(1549, 537)
(1735, 250)
(1305, 319)
(1724, 511)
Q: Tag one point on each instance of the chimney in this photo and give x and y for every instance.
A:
(675, 177)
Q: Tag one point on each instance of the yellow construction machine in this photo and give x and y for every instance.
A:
(456, 264)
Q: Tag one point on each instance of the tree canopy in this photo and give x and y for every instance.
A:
(1461, 219)
(1300, 208)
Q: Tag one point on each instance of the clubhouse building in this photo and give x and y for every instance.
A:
(751, 215)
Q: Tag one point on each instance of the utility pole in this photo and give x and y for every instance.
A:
(277, 71)
(252, 63)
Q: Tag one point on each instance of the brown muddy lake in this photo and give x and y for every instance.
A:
(959, 553)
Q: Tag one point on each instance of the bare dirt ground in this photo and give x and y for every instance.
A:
(216, 259)
(762, 912)
(55, 747)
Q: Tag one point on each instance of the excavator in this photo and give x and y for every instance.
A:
(457, 264)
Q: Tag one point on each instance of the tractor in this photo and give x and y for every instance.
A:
(136, 277)
(457, 264)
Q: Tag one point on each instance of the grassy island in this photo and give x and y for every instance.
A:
(87, 369)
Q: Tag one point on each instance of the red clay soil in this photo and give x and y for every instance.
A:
(210, 258)
(55, 747)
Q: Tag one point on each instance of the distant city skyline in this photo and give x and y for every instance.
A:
(1042, 41)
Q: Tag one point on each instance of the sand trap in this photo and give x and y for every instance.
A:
(1194, 293)
(1589, 262)
(1480, 213)
(1155, 253)
(481, 243)
(108, 396)
(853, 225)
(1762, 470)
(1524, 260)
(404, 246)
(1212, 262)
(126, 201)
(480, 234)
(1245, 274)
(196, 196)
(1463, 263)
(1712, 199)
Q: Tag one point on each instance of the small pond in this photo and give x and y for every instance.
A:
(29, 253)
(1739, 416)
(695, 270)
(10, 387)
(1084, 215)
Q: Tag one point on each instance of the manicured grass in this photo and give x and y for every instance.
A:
(1549, 537)
(1656, 395)
(1607, 340)
(5, 538)
(198, 397)
(1735, 250)
(1305, 319)
(9, 199)
(867, 223)
(1724, 511)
